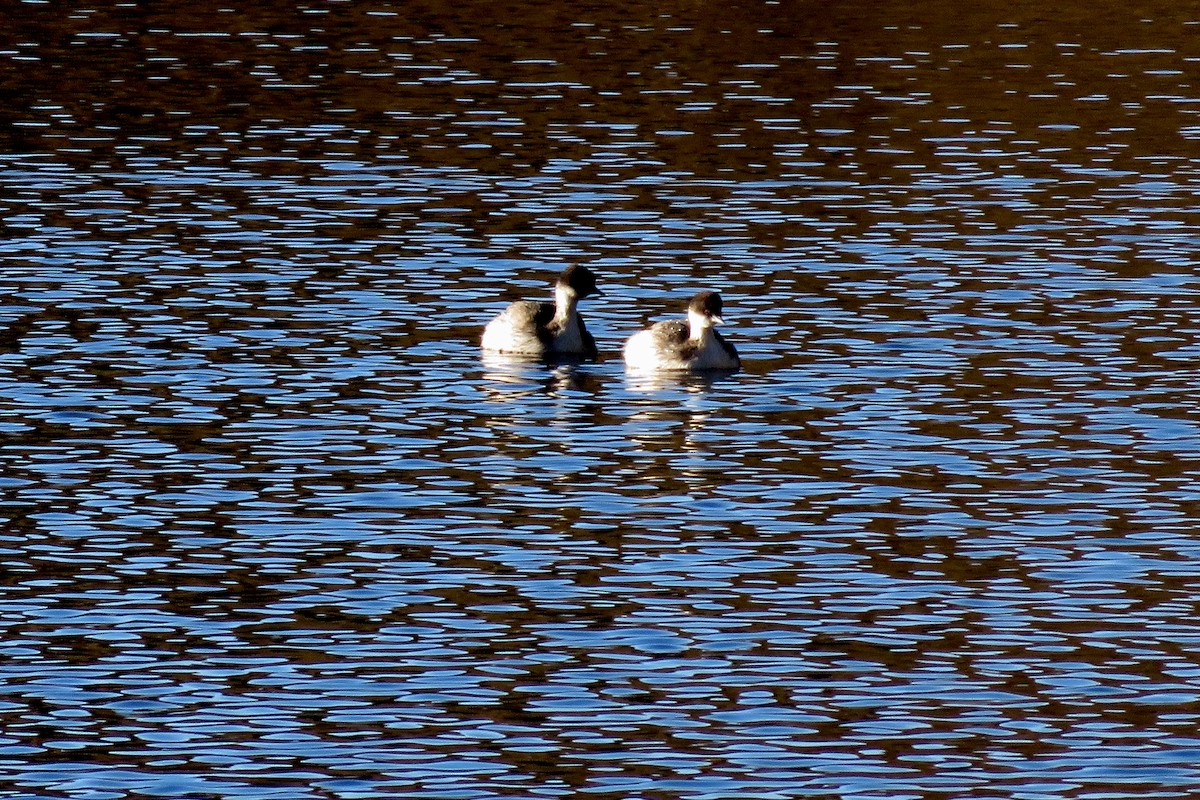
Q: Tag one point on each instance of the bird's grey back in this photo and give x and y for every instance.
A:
(525, 321)
(670, 336)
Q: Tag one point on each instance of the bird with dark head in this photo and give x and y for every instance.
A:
(533, 328)
(692, 344)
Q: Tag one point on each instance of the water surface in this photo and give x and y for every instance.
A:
(275, 529)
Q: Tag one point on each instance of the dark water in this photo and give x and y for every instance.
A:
(275, 530)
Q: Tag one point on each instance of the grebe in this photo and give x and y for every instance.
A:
(679, 345)
(530, 327)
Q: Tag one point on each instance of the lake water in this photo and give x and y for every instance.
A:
(274, 529)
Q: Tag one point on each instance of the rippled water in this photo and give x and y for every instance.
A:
(275, 528)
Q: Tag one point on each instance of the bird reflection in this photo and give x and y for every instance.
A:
(651, 381)
(675, 413)
(509, 376)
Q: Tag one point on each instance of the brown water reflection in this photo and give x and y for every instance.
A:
(275, 529)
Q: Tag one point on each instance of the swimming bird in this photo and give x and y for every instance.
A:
(533, 328)
(684, 345)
